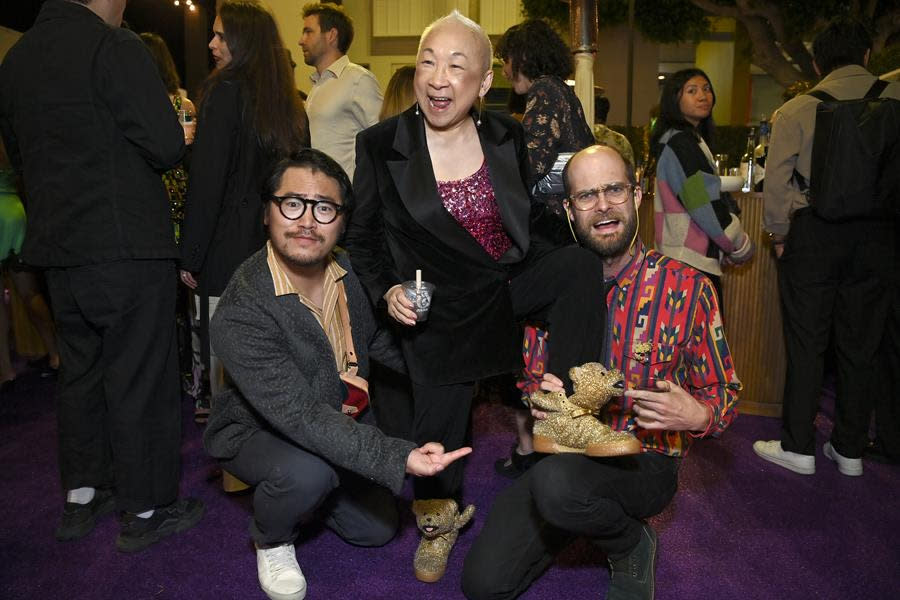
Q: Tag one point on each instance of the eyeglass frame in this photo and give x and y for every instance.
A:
(602, 191)
(339, 209)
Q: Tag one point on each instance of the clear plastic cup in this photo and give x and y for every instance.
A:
(420, 298)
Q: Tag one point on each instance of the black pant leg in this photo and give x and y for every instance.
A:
(362, 512)
(513, 548)
(392, 401)
(861, 308)
(887, 397)
(290, 484)
(84, 453)
(442, 415)
(561, 497)
(808, 280)
(604, 499)
(565, 289)
(130, 306)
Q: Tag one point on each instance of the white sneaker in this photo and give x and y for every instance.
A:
(773, 452)
(279, 574)
(847, 466)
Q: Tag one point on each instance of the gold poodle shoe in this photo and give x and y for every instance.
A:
(440, 522)
(571, 425)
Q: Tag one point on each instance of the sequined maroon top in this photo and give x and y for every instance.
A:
(472, 203)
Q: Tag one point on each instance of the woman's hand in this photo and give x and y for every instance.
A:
(399, 307)
(188, 279)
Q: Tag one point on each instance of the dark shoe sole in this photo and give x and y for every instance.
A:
(82, 529)
(136, 544)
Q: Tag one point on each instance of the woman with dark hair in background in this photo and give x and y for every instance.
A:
(176, 181)
(536, 61)
(694, 224)
(250, 116)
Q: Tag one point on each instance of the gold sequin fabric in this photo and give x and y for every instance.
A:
(439, 522)
(571, 424)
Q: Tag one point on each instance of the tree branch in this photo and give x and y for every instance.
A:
(718, 10)
(885, 26)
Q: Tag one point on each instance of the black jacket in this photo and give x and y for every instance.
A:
(279, 357)
(399, 225)
(223, 221)
(87, 122)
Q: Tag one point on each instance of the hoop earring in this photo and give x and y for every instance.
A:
(417, 108)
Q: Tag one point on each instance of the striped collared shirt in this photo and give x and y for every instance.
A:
(328, 315)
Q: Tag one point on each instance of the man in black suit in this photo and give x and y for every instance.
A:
(88, 123)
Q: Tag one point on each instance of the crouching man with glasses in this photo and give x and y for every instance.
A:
(295, 331)
(666, 338)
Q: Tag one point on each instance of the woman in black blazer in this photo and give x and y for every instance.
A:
(250, 116)
(442, 188)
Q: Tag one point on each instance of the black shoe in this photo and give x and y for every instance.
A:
(516, 464)
(633, 577)
(79, 519)
(138, 533)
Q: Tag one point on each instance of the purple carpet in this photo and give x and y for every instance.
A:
(738, 528)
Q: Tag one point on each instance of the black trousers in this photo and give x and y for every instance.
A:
(119, 400)
(832, 279)
(563, 289)
(886, 401)
(562, 497)
(291, 484)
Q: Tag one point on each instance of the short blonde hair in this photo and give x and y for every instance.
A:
(458, 18)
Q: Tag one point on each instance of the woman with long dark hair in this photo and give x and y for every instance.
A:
(693, 223)
(250, 116)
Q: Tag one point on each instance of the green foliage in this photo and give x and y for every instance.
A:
(885, 61)
(555, 11)
(663, 21)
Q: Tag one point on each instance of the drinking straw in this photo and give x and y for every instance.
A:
(418, 280)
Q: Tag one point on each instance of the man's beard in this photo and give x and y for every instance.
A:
(607, 247)
(298, 259)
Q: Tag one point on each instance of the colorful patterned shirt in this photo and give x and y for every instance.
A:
(663, 323)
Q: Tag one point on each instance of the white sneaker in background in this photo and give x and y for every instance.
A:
(848, 466)
(279, 574)
(774, 453)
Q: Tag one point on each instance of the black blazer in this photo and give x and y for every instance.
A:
(279, 358)
(399, 225)
(223, 221)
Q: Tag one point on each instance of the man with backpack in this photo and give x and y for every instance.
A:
(827, 210)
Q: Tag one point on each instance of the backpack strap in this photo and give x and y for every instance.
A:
(822, 95)
(876, 89)
(874, 92)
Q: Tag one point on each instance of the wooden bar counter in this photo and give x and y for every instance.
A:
(752, 312)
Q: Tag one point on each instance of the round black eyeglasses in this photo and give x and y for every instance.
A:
(294, 207)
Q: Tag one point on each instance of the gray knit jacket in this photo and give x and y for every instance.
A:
(282, 366)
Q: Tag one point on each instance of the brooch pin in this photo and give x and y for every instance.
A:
(642, 351)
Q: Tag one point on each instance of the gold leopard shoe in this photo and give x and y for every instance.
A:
(439, 521)
(571, 424)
